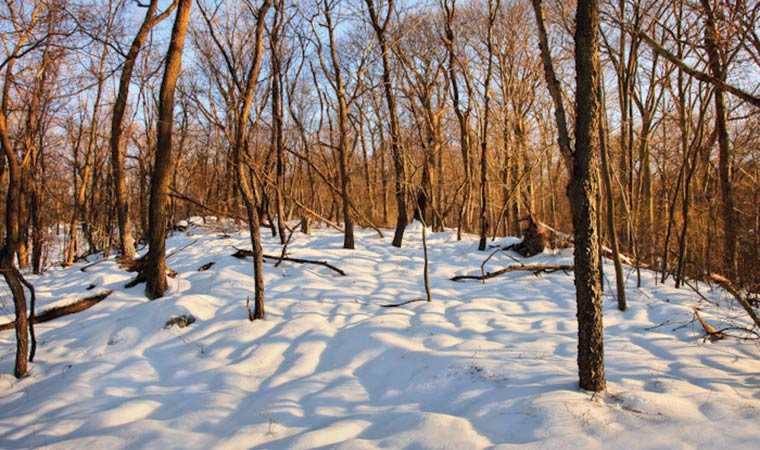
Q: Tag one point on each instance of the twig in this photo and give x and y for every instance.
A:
(696, 290)
(657, 326)
(547, 268)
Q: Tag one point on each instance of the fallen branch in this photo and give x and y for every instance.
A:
(242, 254)
(206, 266)
(535, 268)
(709, 329)
(177, 250)
(84, 268)
(394, 305)
(60, 311)
(726, 284)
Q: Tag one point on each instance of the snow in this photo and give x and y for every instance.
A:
(485, 365)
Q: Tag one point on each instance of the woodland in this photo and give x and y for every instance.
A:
(631, 127)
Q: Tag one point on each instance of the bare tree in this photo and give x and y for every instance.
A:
(583, 186)
(242, 77)
(380, 25)
(718, 60)
(126, 244)
(492, 13)
(22, 41)
(154, 269)
(463, 114)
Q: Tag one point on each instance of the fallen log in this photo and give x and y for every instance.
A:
(242, 254)
(60, 311)
(726, 284)
(535, 268)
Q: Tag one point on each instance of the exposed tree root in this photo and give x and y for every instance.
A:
(535, 268)
(60, 311)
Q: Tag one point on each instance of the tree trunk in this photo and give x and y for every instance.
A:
(492, 10)
(155, 263)
(278, 142)
(397, 152)
(719, 70)
(8, 252)
(619, 275)
(582, 191)
(462, 116)
(126, 243)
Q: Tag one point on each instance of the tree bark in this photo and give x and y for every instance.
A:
(582, 191)
(155, 262)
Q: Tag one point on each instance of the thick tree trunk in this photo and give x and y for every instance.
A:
(155, 263)
(582, 191)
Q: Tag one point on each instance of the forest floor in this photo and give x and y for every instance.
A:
(484, 365)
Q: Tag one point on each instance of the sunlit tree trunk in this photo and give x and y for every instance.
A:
(155, 262)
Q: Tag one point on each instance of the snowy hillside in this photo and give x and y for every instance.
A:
(485, 365)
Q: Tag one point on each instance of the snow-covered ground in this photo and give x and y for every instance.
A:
(485, 365)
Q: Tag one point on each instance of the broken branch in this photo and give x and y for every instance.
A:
(243, 253)
(535, 268)
(709, 329)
